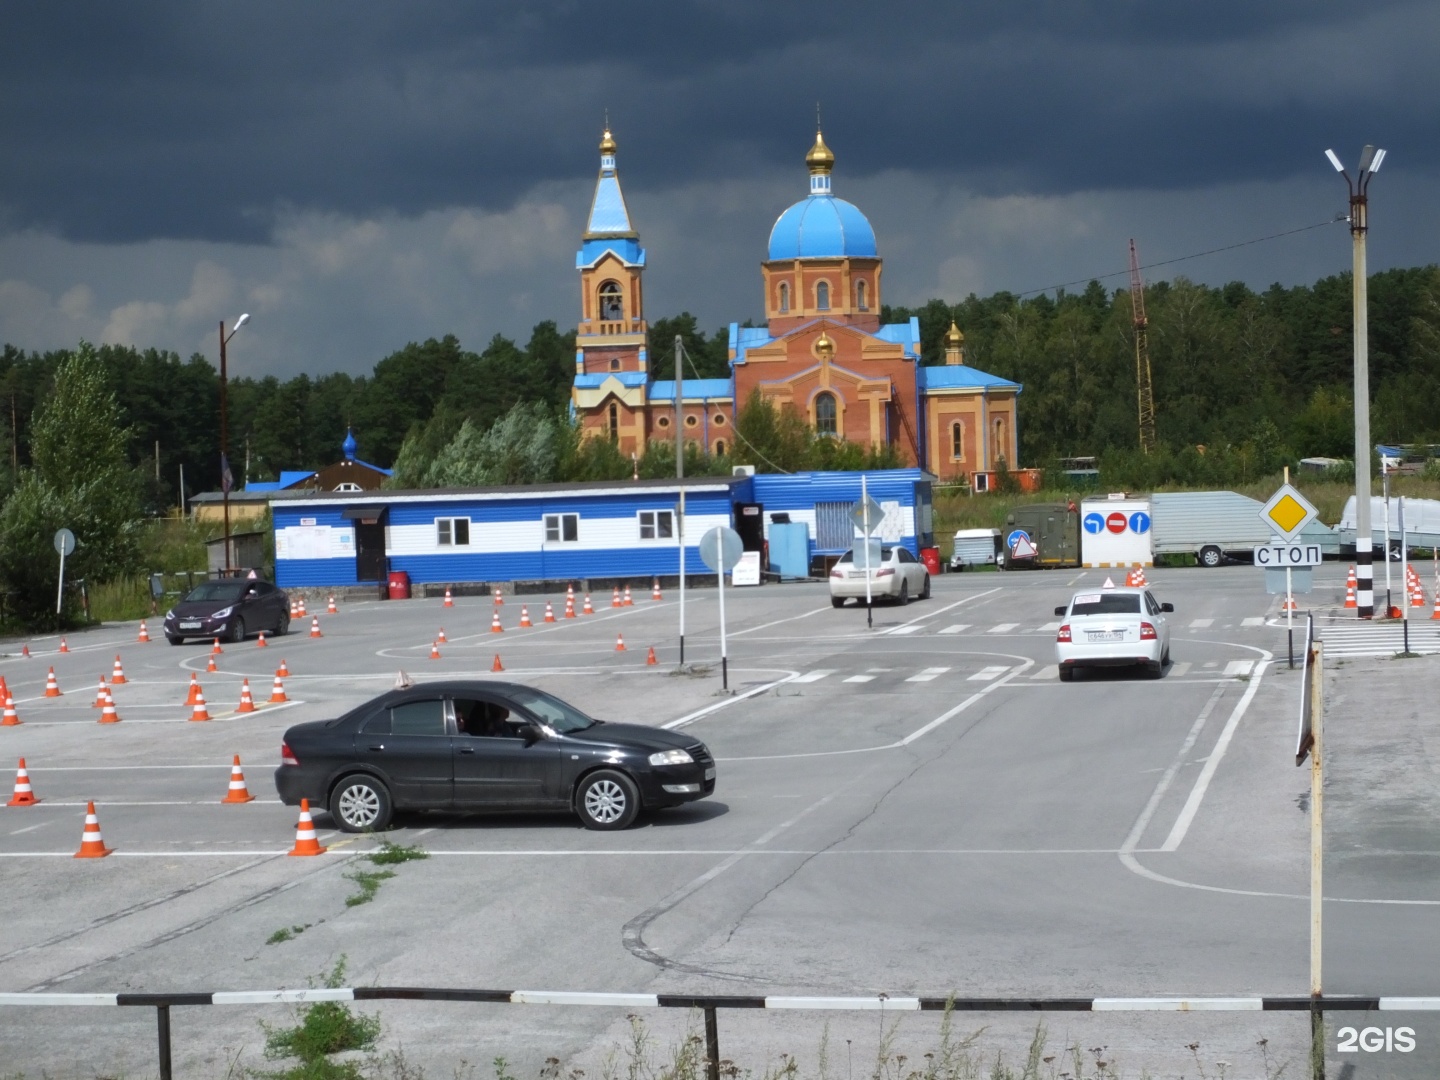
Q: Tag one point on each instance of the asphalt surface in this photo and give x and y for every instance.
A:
(921, 807)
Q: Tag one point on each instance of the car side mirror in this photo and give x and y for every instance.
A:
(532, 733)
(1167, 607)
(1060, 610)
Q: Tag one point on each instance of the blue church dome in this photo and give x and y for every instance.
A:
(822, 227)
(349, 446)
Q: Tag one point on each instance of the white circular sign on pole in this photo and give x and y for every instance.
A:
(721, 547)
(65, 542)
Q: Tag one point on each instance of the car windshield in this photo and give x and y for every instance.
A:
(849, 556)
(551, 710)
(1105, 604)
(215, 590)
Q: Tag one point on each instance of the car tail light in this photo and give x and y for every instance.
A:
(1064, 634)
(1147, 632)
(837, 572)
(287, 756)
(887, 572)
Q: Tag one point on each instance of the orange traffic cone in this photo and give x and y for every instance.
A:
(199, 712)
(449, 600)
(25, 651)
(294, 613)
(570, 606)
(525, 617)
(194, 693)
(570, 592)
(108, 715)
(549, 611)
(650, 657)
(24, 793)
(117, 678)
(315, 626)
(499, 596)
(441, 637)
(588, 610)
(1289, 604)
(144, 634)
(1435, 613)
(627, 601)
(277, 695)
(260, 642)
(434, 650)
(619, 642)
(305, 842)
(63, 646)
(495, 627)
(12, 718)
(615, 600)
(300, 610)
(497, 666)
(283, 670)
(655, 592)
(52, 688)
(210, 663)
(91, 844)
(247, 703)
(330, 608)
(215, 649)
(100, 695)
(1350, 601)
(238, 792)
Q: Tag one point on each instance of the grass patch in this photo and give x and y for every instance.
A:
(389, 854)
(286, 933)
(369, 883)
(321, 1029)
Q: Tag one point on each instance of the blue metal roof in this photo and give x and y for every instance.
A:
(377, 468)
(960, 377)
(822, 227)
(625, 378)
(608, 214)
(745, 338)
(627, 250)
(664, 389)
(263, 485)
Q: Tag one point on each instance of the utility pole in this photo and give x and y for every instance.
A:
(226, 478)
(1144, 388)
(680, 479)
(1370, 160)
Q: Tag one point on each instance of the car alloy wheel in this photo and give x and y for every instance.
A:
(608, 800)
(237, 630)
(360, 804)
(904, 597)
(925, 589)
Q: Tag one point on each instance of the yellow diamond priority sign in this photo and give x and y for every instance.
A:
(1288, 512)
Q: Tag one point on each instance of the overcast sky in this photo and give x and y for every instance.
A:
(360, 175)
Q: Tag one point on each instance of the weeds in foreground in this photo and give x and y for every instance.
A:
(369, 883)
(389, 854)
(286, 933)
(322, 1029)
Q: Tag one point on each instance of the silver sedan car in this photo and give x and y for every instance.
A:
(1113, 627)
(897, 576)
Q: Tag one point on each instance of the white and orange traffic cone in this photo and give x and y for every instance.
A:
(435, 650)
(498, 594)
(588, 610)
(655, 591)
(1289, 604)
(330, 608)
(549, 611)
(144, 634)
(1435, 612)
(194, 693)
(294, 612)
(92, 846)
(627, 602)
(247, 702)
(63, 646)
(283, 670)
(300, 609)
(52, 688)
(449, 600)
(619, 642)
(1350, 600)
(199, 712)
(215, 649)
(305, 842)
(497, 666)
(525, 617)
(210, 663)
(277, 695)
(24, 793)
(441, 636)
(570, 592)
(495, 627)
(25, 651)
(650, 657)
(117, 677)
(11, 718)
(315, 626)
(100, 695)
(260, 642)
(238, 792)
(109, 714)
(615, 600)
(570, 606)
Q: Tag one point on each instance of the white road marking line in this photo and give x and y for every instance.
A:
(1047, 628)
(1254, 621)
(988, 674)
(1180, 670)
(173, 802)
(860, 678)
(777, 622)
(1202, 782)
(903, 630)
(1002, 628)
(1210, 664)
(1050, 671)
(29, 828)
(813, 676)
(958, 628)
(928, 674)
(949, 607)
(1201, 624)
(690, 718)
(1239, 667)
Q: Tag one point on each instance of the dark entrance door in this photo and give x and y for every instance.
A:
(750, 524)
(370, 549)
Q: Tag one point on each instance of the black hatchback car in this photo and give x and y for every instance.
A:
(477, 745)
(230, 608)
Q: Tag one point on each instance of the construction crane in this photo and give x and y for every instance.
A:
(1144, 389)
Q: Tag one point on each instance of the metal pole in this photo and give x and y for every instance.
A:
(162, 1027)
(1405, 569)
(224, 446)
(1290, 613)
(680, 477)
(865, 513)
(712, 1044)
(724, 658)
(60, 592)
(1364, 547)
(1317, 861)
(1385, 486)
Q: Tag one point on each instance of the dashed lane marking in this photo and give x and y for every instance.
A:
(928, 674)
(958, 628)
(1003, 628)
(1201, 624)
(860, 678)
(813, 676)
(988, 674)
(1253, 621)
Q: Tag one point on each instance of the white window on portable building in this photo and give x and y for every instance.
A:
(562, 528)
(657, 524)
(452, 532)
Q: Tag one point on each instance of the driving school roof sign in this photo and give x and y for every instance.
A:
(1115, 532)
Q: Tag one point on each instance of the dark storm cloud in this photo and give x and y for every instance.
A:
(134, 121)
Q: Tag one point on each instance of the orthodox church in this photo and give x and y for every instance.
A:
(823, 351)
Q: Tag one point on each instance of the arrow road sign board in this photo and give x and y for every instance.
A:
(1288, 512)
(858, 513)
(65, 542)
(721, 546)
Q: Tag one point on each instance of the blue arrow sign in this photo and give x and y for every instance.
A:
(1094, 524)
(1140, 521)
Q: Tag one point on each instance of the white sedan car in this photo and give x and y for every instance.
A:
(1113, 627)
(898, 576)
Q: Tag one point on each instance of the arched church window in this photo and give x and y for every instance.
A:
(957, 441)
(825, 413)
(784, 296)
(615, 364)
(822, 296)
(1001, 447)
(860, 298)
(612, 305)
(719, 447)
(614, 421)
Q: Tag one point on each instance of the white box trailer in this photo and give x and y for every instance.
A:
(1422, 524)
(1214, 525)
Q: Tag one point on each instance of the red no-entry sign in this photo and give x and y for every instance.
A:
(1116, 522)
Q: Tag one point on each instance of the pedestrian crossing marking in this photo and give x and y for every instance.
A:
(1003, 628)
(928, 674)
(1239, 667)
(905, 629)
(1180, 670)
(1051, 671)
(956, 629)
(1201, 624)
(813, 676)
(988, 674)
(1047, 627)
(1252, 621)
(860, 678)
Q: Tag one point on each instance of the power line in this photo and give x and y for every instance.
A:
(1186, 258)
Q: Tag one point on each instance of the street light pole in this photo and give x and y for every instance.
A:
(226, 477)
(1370, 160)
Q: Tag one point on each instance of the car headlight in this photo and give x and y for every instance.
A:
(671, 757)
(170, 614)
(223, 613)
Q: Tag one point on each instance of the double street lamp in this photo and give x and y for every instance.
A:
(1370, 160)
(227, 479)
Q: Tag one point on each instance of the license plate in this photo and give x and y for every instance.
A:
(190, 625)
(710, 773)
(1106, 635)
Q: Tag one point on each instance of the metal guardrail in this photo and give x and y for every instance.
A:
(710, 1004)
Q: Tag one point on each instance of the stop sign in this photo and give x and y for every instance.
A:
(1116, 522)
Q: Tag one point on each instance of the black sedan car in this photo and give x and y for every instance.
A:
(477, 745)
(229, 609)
